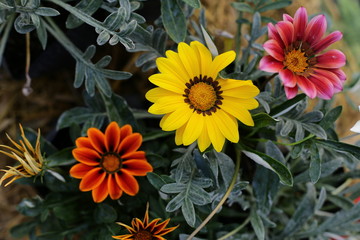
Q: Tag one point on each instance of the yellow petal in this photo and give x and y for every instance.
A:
(179, 135)
(154, 94)
(204, 55)
(240, 113)
(216, 137)
(249, 103)
(172, 66)
(220, 62)
(168, 82)
(241, 92)
(166, 105)
(204, 140)
(189, 59)
(177, 118)
(193, 128)
(227, 125)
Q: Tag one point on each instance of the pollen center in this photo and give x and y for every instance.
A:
(296, 61)
(111, 162)
(143, 235)
(203, 95)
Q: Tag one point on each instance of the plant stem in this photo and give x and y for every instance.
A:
(27, 90)
(223, 199)
(233, 232)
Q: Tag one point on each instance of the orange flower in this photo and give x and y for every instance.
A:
(109, 162)
(143, 230)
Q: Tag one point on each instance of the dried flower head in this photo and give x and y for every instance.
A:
(145, 230)
(30, 158)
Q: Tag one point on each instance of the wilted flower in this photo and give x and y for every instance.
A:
(109, 162)
(145, 230)
(294, 46)
(30, 158)
(195, 101)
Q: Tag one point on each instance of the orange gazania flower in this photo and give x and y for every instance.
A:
(145, 230)
(109, 162)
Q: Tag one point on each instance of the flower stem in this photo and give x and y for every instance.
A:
(27, 90)
(229, 234)
(223, 199)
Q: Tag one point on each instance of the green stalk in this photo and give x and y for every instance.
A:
(223, 199)
(233, 232)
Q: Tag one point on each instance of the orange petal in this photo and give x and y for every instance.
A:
(87, 156)
(114, 190)
(83, 142)
(79, 170)
(134, 155)
(101, 192)
(127, 183)
(130, 144)
(97, 139)
(92, 179)
(125, 130)
(136, 167)
(112, 137)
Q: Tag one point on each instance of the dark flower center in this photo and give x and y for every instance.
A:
(143, 235)
(111, 162)
(203, 95)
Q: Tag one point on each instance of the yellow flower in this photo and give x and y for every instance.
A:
(30, 158)
(145, 230)
(195, 101)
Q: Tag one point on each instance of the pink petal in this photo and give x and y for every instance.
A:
(340, 73)
(291, 92)
(315, 29)
(270, 64)
(307, 86)
(286, 32)
(288, 78)
(332, 77)
(324, 87)
(300, 22)
(331, 59)
(287, 17)
(273, 34)
(327, 41)
(273, 48)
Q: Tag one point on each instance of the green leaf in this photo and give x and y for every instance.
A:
(263, 120)
(272, 164)
(105, 213)
(42, 34)
(175, 203)
(330, 117)
(173, 188)
(257, 224)
(193, 3)
(189, 212)
(315, 129)
(341, 147)
(242, 7)
(75, 115)
(198, 195)
(287, 105)
(23, 229)
(86, 6)
(156, 180)
(274, 5)
(173, 19)
(315, 164)
(46, 11)
(63, 157)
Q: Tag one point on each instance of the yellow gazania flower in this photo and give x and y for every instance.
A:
(30, 158)
(195, 101)
(145, 230)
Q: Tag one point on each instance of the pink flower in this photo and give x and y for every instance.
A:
(294, 48)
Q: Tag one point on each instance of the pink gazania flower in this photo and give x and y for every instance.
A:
(295, 47)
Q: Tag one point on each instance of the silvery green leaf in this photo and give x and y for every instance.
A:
(287, 128)
(46, 11)
(130, 28)
(287, 105)
(256, 26)
(103, 62)
(89, 52)
(198, 195)
(340, 201)
(35, 20)
(114, 40)
(242, 7)
(315, 129)
(115, 19)
(202, 182)
(175, 203)
(42, 34)
(102, 84)
(193, 3)
(272, 164)
(147, 66)
(300, 133)
(174, 20)
(86, 6)
(115, 75)
(4, 6)
(188, 212)
(79, 74)
(89, 82)
(144, 58)
(134, 5)
(173, 188)
(23, 24)
(209, 42)
(273, 151)
(57, 175)
(311, 117)
(103, 37)
(315, 164)
(330, 117)
(156, 180)
(257, 224)
(321, 200)
(226, 166)
(341, 147)
(138, 18)
(125, 4)
(127, 42)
